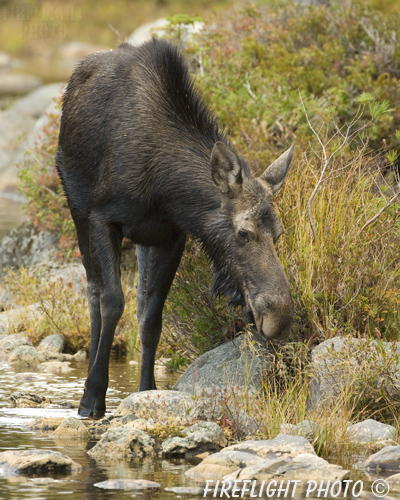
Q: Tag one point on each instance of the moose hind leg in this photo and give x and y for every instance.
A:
(106, 257)
(160, 269)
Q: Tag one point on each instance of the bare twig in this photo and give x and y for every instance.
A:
(376, 216)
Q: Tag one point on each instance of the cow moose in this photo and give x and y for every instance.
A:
(141, 156)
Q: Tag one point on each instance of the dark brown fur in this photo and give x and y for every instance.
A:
(141, 156)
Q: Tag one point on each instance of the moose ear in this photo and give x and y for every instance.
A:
(225, 169)
(275, 174)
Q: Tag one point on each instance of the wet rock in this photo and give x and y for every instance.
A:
(199, 438)
(304, 467)
(280, 447)
(18, 83)
(99, 427)
(161, 406)
(218, 465)
(54, 343)
(237, 363)
(123, 442)
(70, 429)
(370, 430)
(44, 424)
(394, 482)
(25, 356)
(34, 461)
(28, 400)
(387, 459)
(80, 356)
(186, 490)
(9, 343)
(55, 367)
(127, 484)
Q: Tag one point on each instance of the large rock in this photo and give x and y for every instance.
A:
(123, 442)
(28, 400)
(53, 343)
(36, 461)
(25, 356)
(248, 454)
(157, 28)
(19, 126)
(387, 459)
(25, 247)
(70, 430)
(55, 367)
(240, 363)
(335, 366)
(305, 467)
(160, 406)
(10, 342)
(370, 430)
(394, 482)
(199, 438)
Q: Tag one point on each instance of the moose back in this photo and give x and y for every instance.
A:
(141, 156)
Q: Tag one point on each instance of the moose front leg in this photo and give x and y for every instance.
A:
(157, 268)
(105, 241)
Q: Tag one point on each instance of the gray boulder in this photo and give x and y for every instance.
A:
(238, 363)
(53, 343)
(199, 438)
(288, 457)
(161, 406)
(394, 482)
(387, 459)
(370, 430)
(9, 343)
(19, 126)
(70, 430)
(302, 468)
(26, 247)
(157, 28)
(337, 362)
(121, 443)
(25, 356)
(35, 461)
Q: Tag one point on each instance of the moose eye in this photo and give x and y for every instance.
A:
(244, 235)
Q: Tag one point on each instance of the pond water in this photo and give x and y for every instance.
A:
(124, 377)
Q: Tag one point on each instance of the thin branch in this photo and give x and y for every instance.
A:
(376, 216)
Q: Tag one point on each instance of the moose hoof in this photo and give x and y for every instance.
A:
(94, 410)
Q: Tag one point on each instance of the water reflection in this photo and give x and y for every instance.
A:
(124, 378)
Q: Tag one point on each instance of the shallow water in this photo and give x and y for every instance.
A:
(60, 388)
